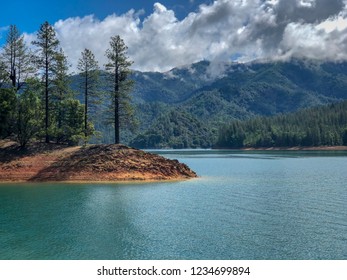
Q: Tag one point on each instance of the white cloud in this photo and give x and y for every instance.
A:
(326, 40)
(252, 29)
(3, 29)
(333, 24)
(306, 3)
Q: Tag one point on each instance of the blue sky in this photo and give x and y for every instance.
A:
(28, 15)
(164, 34)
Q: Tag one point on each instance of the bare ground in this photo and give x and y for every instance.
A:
(41, 162)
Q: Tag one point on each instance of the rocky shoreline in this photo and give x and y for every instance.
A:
(93, 163)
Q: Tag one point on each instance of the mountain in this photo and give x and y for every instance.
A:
(305, 83)
(170, 87)
(210, 94)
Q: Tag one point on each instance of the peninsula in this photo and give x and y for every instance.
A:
(41, 162)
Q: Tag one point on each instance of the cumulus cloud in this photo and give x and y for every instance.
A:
(221, 31)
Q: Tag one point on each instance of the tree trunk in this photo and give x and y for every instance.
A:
(13, 77)
(116, 107)
(46, 97)
(116, 121)
(86, 107)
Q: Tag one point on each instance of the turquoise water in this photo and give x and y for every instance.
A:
(260, 205)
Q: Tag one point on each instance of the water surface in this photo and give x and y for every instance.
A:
(244, 205)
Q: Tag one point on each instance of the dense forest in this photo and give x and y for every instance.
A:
(37, 98)
(320, 126)
(175, 129)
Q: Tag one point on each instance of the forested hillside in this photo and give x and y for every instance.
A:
(176, 130)
(232, 92)
(321, 126)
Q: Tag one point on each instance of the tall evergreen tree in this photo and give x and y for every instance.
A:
(11, 52)
(47, 44)
(118, 67)
(17, 58)
(89, 73)
(60, 92)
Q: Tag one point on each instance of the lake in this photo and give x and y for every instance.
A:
(244, 205)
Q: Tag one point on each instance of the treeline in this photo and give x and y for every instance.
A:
(320, 126)
(37, 101)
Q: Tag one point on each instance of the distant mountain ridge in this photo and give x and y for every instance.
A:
(315, 79)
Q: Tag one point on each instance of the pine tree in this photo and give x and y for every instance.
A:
(47, 44)
(72, 123)
(18, 58)
(60, 92)
(11, 52)
(29, 113)
(118, 68)
(89, 74)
